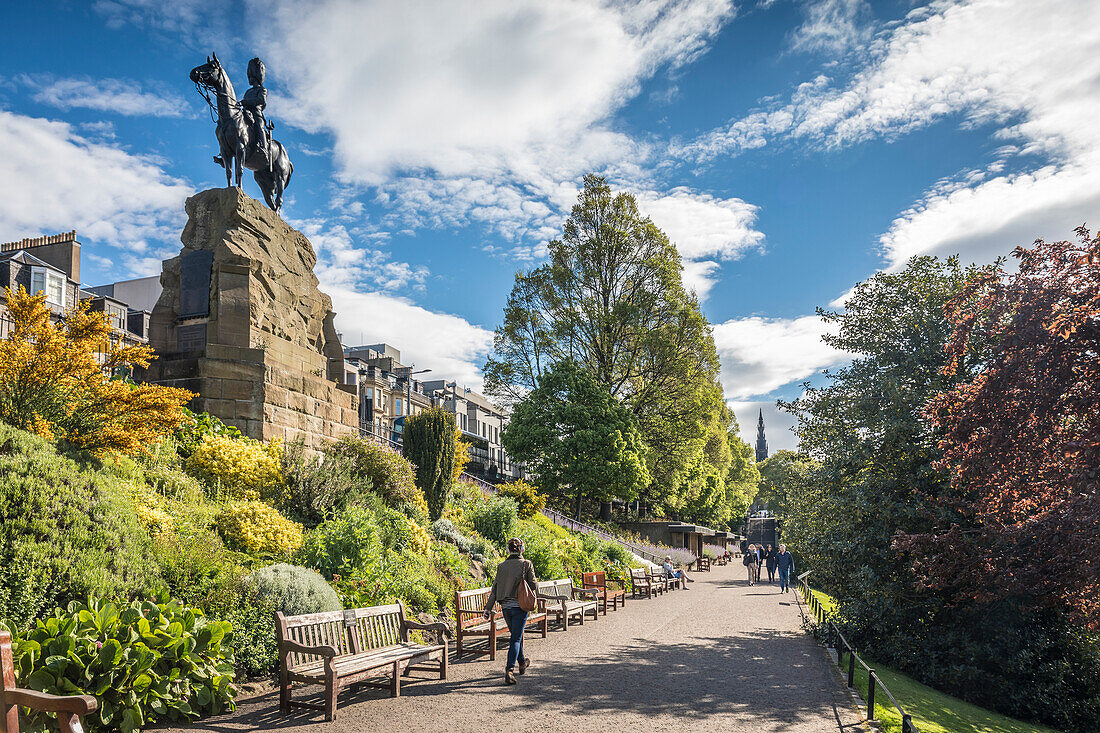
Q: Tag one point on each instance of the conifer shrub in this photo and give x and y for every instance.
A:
(429, 439)
(256, 528)
(293, 590)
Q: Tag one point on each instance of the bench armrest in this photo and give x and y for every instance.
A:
(327, 651)
(462, 611)
(45, 703)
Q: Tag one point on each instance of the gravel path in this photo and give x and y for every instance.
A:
(720, 656)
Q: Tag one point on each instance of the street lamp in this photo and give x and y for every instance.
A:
(408, 385)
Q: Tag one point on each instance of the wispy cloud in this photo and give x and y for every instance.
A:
(119, 96)
(833, 26)
(1006, 64)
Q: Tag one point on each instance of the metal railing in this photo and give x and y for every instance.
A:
(571, 524)
(835, 639)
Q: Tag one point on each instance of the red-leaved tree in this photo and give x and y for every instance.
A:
(1022, 440)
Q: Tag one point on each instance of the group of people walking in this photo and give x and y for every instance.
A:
(774, 560)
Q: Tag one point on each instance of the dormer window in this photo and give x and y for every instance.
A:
(45, 280)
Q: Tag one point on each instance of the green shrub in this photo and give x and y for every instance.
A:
(318, 486)
(65, 533)
(349, 541)
(384, 471)
(616, 553)
(429, 440)
(399, 576)
(529, 501)
(150, 661)
(293, 590)
(495, 518)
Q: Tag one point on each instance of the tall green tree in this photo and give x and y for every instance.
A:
(429, 439)
(611, 298)
(578, 440)
(781, 474)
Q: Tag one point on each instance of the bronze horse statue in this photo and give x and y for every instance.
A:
(243, 144)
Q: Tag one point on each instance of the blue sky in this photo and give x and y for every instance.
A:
(789, 148)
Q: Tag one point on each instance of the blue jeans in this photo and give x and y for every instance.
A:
(516, 618)
(784, 578)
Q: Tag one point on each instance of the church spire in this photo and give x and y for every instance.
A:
(761, 441)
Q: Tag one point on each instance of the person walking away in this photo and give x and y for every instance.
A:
(784, 562)
(513, 570)
(749, 559)
(672, 572)
(758, 560)
(769, 559)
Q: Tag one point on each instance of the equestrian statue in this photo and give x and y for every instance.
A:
(243, 133)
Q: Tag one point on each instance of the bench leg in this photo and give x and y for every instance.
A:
(284, 690)
(332, 690)
(395, 683)
(546, 626)
(443, 662)
(493, 642)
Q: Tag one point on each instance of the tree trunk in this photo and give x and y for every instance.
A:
(580, 497)
(605, 511)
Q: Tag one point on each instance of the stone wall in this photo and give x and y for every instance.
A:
(241, 322)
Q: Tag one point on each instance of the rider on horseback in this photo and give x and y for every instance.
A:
(252, 106)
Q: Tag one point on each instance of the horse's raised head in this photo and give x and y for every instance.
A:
(208, 72)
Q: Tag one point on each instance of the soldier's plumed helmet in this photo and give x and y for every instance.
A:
(256, 72)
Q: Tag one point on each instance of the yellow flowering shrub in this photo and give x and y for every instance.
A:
(419, 539)
(255, 527)
(240, 469)
(59, 380)
(153, 518)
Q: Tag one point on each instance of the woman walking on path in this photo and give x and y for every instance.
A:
(785, 563)
(769, 558)
(512, 571)
(752, 564)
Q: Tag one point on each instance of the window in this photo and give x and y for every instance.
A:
(51, 283)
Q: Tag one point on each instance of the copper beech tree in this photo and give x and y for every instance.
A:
(62, 380)
(1021, 441)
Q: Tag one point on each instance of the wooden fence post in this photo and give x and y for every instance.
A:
(851, 666)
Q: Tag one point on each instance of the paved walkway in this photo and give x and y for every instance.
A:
(720, 656)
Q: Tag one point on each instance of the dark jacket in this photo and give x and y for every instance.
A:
(770, 556)
(506, 582)
(785, 561)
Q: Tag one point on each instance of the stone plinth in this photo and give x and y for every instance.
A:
(241, 321)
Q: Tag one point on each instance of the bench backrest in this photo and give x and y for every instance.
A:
(471, 600)
(639, 575)
(595, 580)
(351, 631)
(562, 588)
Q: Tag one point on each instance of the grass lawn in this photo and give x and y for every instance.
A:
(933, 711)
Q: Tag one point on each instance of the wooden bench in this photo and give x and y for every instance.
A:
(659, 580)
(562, 601)
(674, 583)
(702, 563)
(68, 708)
(640, 583)
(722, 560)
(470, 609)
(605, 593)
(341, 648)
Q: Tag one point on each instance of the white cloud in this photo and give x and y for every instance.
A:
(760, 355)
(343, 262)
(777, 424)
(120, 96)
(1009, 63)
(452, 347)
(833, 26)
(53, 179)
(704, 229)
(486, 112)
